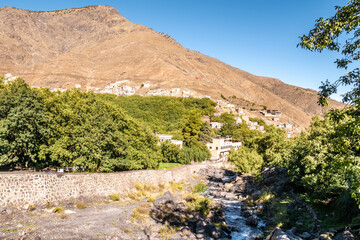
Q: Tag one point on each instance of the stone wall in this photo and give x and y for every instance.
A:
(37, 188)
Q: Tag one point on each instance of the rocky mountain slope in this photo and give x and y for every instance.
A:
(95, 46)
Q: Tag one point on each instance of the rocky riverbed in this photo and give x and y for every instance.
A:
(213, 204)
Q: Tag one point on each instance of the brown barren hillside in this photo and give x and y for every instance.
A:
(95, 46)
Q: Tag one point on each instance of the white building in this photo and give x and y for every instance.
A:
(220, 147)
(217, 125)
(164, 137)
(238, 120)
(175, 90)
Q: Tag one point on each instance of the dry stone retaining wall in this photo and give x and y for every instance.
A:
(37, 188)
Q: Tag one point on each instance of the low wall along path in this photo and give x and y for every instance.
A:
(37, 188)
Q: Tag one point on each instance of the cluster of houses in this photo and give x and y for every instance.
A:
(118, 88)
(174, 92)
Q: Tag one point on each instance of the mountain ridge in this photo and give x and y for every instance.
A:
(95, 46)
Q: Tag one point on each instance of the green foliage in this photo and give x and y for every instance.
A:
(313, 164)
(170, 152)
(197, 153)
(161, 114)
(199, 203)
(168, 165)
(200, 187)
(247, 160)
(40, 129)
(25, 125)
(206, 133)
(192, 128)
(330, 34)
(114, 197)
(224, 118)
(80, 205)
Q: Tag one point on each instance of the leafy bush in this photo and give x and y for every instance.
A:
(247, 160)
(114, 197)
(80, 205)
(200, 187)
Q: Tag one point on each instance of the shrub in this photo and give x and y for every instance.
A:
(151, 198)
(199, 203)
(80, 205)
(139, 186)
(58, 210)
(177, 186)
(114, 197)
(247, 160)
(49, 204)
(200, 187)
(31, 207)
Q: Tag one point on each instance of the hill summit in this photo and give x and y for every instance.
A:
(94, 47)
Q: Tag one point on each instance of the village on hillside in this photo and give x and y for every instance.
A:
(220, 146)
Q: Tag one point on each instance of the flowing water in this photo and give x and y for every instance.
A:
(234, 218)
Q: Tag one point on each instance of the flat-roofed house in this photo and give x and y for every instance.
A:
(164, 137)
(220, 147)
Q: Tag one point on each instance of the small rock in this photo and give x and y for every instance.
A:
(324, 237)
(252, 221)
(293, 230)
(305, 235)
(19, 226)
(256, 195)
(230, 196)
(347, 235)
(185, 231)
(69, 212)
(259, 209)
(246, 213)
(9, 211)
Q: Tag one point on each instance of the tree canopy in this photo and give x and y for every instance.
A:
(329, 34)
(96, 132)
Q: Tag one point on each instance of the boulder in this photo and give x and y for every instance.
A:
(165, 202)
(278, 234)
(206, 230)
(252, 221)
(347, 235)
(305, 235)
(259, 209)
(230, 196)
(274, 177)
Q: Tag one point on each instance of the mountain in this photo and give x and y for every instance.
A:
(95, 46)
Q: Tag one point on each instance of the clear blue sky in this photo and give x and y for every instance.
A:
(258, 36)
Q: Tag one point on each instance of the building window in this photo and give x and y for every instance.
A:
(217, 148)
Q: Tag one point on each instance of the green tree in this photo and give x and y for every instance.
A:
(191, 128)
(24, 126)
(206, 135)
(340, 153)
(170, 152)
(247, 160)
(328, 34)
